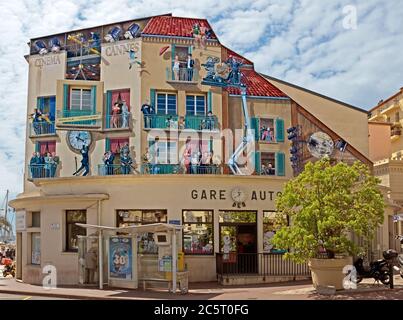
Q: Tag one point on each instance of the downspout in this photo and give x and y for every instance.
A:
(100, 248)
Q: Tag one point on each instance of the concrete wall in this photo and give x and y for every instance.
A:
(379, 141)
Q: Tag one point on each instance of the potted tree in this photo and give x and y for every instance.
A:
(320, 210)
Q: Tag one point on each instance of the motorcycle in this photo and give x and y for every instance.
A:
(379, 269)
(399, 268)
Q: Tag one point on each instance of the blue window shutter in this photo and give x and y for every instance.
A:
(280, 164)
(107, 144)
(52, 107)
(65, 97)
(210, 147)
(255, 126)
(172, 61)
(209, 101)
(40, 103)
(152, 98)
(279, 130)
(190, 49)
(94, 98)
(37, 147)
(257, 162)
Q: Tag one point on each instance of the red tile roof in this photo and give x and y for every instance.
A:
(257, 86)
(173, 26)
(237, 55)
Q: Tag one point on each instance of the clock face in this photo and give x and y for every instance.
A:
(320, 145)
(77, 139)
(238, 195)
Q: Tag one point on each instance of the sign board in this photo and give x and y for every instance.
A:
(120, 258)
(78, 119)
(20, 221)
(176, 222)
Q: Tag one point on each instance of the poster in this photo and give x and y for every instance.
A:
(120, 258)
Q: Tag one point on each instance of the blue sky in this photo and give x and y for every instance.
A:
(300, 41)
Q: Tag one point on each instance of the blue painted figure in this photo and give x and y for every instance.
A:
(84, 161)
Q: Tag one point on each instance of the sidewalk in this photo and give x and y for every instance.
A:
(210, 291)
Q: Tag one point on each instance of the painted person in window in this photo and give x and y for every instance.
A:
(187, 154)
(203, 34)
(34, 165)
(154, 154)
(190, 65)
(197, 35)
(108, 159)
(55, 163)
(126, 163)
(210, 122)
(84, 161)
(147, 110)
(125, 115)
(115, 115)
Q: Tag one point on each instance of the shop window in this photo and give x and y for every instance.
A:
(166, 103)
(269, 230)
(36, 248)
(36, 219)
(196, 105)
(146, 244)
(80, 99)
(72, 230)
(237, 217)
(198, 232)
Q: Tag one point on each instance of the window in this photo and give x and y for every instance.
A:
(36, 220)
(146, 242)
(72, 230)
(48, 106)
(388, 119)
(268, 164)
(80, 99)
(167, 152)
(266, 130)
(237, 217)
(269, 230)
(36, 248)
(44, 147)
(166, 103)
(198, 232)
(196, 105)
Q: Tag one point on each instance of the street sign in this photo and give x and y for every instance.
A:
(78, 119)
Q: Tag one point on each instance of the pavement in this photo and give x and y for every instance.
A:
(302, 290)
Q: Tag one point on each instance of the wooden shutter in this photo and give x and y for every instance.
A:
(255, 126)
(152, 99)
(279, 130)
(65, 97)
(257, 163)
(280, 164)
(209, 101)
(94, 98)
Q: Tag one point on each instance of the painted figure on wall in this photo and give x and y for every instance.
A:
(223, 74)
(84, 161)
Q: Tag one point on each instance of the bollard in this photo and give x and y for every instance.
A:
(391, 275)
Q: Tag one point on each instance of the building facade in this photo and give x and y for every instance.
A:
(153, 110)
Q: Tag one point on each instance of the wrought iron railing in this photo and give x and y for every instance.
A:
(263, 264)
(118, 121)
(114, 169)
(202, 169)
(40, 128)
(160, 121)
(78, 118)
(184, 75)
(38, 171)
(201, 122)
(159, 168)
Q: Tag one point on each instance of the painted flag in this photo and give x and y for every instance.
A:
(163, 49)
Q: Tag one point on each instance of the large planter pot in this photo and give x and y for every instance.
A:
(329, 272)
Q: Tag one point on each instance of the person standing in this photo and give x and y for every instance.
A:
(115, 115)
(33, 165)
(189, 65)
(48, 165)
(84, 161)
(147, 110)
(55, 163)
(125, 115)
(187, 155)
(154, 153)
(176, 68)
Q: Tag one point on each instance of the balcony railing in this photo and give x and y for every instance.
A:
(119, 121)
(184, 75)
(38, 171)
(78, 118)
(114, 169)
(263, 264)
(202, 169)
(208, 123)
(160, 121)
(40, 128)
(149, 168)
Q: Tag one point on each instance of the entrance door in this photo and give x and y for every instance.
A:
(238, 242)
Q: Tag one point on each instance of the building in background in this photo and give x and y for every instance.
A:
(152, 110)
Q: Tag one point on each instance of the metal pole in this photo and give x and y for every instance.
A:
(391, 284)
(174, 261)
(100, 254)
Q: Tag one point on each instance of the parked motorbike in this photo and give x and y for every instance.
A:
(399, 266)
(379, 269)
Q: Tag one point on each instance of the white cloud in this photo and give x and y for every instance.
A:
(300, 41)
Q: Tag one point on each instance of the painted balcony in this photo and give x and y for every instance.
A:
(78, 118)
(113, 169)
(201, 123)
(160, 121)
(118, 122)
(40, 171)
(41, 128)
(183, 76)
(149, 168)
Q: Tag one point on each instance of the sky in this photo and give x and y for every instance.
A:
(348, 50)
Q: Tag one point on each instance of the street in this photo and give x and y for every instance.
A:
(6, 296)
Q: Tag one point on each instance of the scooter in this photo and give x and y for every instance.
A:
(379, 269)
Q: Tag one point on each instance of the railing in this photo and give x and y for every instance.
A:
(201, 122)
(263, 264)
(158, 121)
(149, 168)
(114, 169)
(39, 128)
(202, 169)
(183, 75)
(75, 115)
(38, 171)
(118, 121)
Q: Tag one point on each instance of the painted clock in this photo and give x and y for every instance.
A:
(77, 139)
(320, 145)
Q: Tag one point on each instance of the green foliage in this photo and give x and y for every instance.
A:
(325, 205)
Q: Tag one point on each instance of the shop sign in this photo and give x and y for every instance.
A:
(176, 222)
(222, 195)
(120, 258)
(121, 49)
(47, 61)
(20, 221)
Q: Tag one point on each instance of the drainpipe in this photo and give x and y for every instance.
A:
(100, 249)
(174, 261)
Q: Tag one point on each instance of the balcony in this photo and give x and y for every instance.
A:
(41, 128)
(118, 122)
(114, 169)
(160, 121)
(149, 168)
(201, 123)
(183, 76)
(78, 118)
(38, 171)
